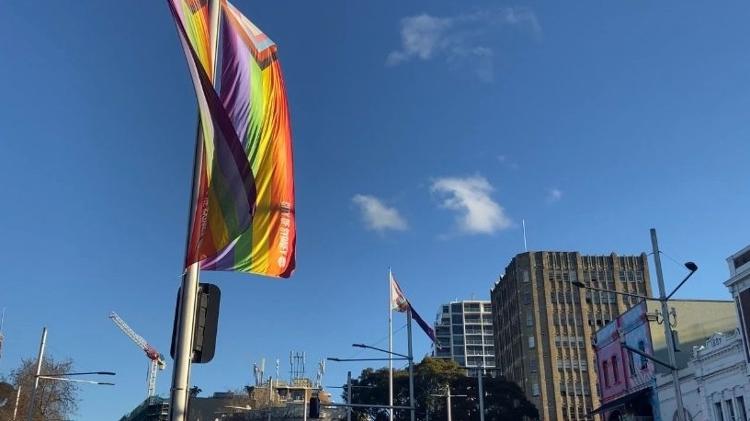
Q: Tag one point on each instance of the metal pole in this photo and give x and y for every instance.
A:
(349, 395)
(18, 397)
(667, 327)
(39, 359)
(448, 401)
(184, 345)
(480, 376)
(304, 407)
(190, 283)
(390, 344)
(413, 414)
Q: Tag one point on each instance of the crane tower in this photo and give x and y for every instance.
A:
(156, 359)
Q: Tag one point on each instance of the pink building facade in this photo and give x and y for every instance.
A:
(626, 379)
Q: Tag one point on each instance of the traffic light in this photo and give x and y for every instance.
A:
(314, 408)
(206, 323)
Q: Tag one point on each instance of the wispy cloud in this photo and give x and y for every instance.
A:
(554, 195)
(470, 196)
(461, 37)
(377, 216)
(504, 160)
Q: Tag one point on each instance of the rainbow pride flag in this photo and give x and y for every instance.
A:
(244, 212)
(254, 95)
(225, 193)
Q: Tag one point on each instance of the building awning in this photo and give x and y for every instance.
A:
(622, 400)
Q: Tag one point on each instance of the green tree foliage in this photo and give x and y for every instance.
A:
(503, 400)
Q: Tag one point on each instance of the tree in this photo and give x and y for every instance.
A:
(504, 400)
(54, 400)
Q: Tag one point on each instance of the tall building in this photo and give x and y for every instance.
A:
(543, 324)
(464, 334)
(739, 286)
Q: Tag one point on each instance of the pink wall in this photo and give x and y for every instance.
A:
(619, 379)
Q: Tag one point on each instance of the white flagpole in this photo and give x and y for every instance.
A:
(390, 344)
(178, 408)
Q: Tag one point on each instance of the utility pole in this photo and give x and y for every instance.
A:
(349, 395)
(448, 401)
(412, 412)
(39, 359)
(18, 397)
(667, 327)
(480, 375)
(304, 406)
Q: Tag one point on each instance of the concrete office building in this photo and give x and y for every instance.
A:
(543, 324)
(464, 334)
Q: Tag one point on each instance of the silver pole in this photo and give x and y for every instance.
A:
(413, 414)
(184, 345)
(304, 406)
(667, 327)
(18, 397)
(448, 401)
(39, 359)
(190, 281)
(480, 376)
(390, 345)
(349, 395)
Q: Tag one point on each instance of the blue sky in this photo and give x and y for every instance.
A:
(424, 133)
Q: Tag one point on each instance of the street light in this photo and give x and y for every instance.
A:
(663, 299)
(340, 360)
(59, 376)
(52, 376)
(379, 349)
(409, 358)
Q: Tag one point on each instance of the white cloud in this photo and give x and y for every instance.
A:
(470, 196)
(461, 37)
(554, 195)
(377, 216)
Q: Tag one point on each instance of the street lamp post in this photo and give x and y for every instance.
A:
(56, 376)
(39, 358)
(409, 358)
(667, 326)
(664, 301)
(391, 358)
(480, 376)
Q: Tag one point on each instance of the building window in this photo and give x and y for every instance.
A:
(631, 363)
(741, 412)
(614, 369)
(730, 410)
(532, 365)
(718, 414)
(529, 319)
(642, 348)
(535, 389)
(532, 343)
(605, 371)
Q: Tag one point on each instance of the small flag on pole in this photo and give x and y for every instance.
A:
(398, 300)
(401, 304)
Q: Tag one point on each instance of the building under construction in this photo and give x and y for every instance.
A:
(268, 399)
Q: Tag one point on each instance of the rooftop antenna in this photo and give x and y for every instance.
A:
(525, 247)
(262, 370)
(321, 372)
(2, 335)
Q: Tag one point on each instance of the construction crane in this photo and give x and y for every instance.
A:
(156, 359)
